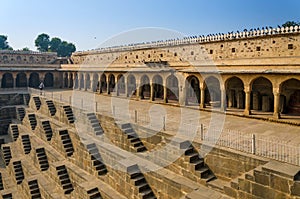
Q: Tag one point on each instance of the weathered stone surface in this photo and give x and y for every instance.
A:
(262, 191)
(262, 177)
(295, 189)
(244, 185)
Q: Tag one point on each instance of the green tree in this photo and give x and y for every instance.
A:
(290, 23)
(42, 42)
(25, 49)
(3, 43)
(54, 44)
(65, 49)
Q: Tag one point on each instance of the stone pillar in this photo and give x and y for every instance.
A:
(100, 84)
(126, 87)
(152, 91)
(107, 84)
(182, 95)
(85, 81)
(14, 79)
(276, 94)
(165, 90)
(223, 99)
(202, 95)
(247, 91)
(79, 81)
(138, 90)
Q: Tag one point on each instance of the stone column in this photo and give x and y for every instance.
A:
(107, 85)
(138, 90)
(182, 95)
(126, 86)
(223, 99)
(151, 91)
(85, 81)
(202, 95)
(276, 94)
(247, 91)
(117, 86)
(14, 80)
(165, 90)
(79, 81)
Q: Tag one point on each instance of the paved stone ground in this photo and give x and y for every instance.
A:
(176, 115)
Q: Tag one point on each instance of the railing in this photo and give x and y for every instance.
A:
(200, 39)
(269, 147)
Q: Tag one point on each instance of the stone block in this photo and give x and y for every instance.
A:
(262, 177)
(280, 183)
(244, 185)
(262, 191)
(295, 189)
(230, 192)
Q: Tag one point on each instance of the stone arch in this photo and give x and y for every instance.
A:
(235, 94)
(34, 80)
(48, 81)
(145, 87)
(111, 83)
(66, 80)
(290, 97)
(192, 90)
(7, 80)
(131, 85)
(172, 88)
(21, 80)
(103, 83)
(158, 87)
(262, 94)
(121, 84)
(212, 91)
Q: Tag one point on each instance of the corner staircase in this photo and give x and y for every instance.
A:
(26, 144)
(6, 154)
(32, 120)
(69, 113)
(42, 159)
(64, 179)
(37, 102)
(132, 137)
(19, 175)
(47, 129)
(96, 159)
(94, 193)
(21, 113)
(51, 107)
(66, 142)
(34, 189)
(1, 182)
(94, 123)
(15, 132)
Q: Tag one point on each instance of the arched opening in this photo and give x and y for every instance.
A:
(131, 85)
(96, 82)
(235, 94)
(48, 81)
(212, 92)
(88, 81)
(7, 80)
(21, 80)
(262, 98)
(172, 88)
(145, 87)
(121, 85)
(158, 88)
(111, 84)
(290, 97)
(34, 80)
(103, 84)
(192, 90)
(66, 80)
(81, 83)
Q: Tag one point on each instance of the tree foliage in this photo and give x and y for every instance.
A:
(290, 23)
(3, 43)
(25, 49)
(63, 48)
(42, 42)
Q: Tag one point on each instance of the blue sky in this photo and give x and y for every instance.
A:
(91, 22)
